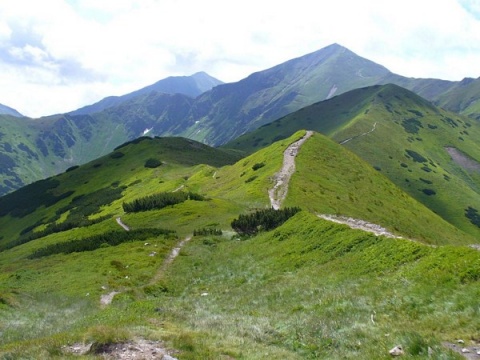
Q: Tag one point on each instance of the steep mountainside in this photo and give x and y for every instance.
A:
(432, 154)
(267, 95)
(464, 98)
(214, 117)
(6, 110)
(191, 86)
(88, 259)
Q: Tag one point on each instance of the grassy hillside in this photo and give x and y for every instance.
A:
(332, 180)
(403, 136)
(464, 98)
(61, 250)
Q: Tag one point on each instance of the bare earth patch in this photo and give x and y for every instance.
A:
(107, 298)
(463, 160)
(131, 350)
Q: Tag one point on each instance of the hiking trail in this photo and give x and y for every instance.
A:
(281, 179)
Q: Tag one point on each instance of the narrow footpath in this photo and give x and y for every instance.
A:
(282, 178)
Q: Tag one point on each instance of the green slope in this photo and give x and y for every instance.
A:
(464, 98)
(316, 290)
(389, 127)
(259, 289)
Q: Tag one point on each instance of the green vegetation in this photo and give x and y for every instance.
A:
(262, 220)
(296, 287)
(159, 201)
(376, 124)
(152, 163)
(111, 238)
(473, 215)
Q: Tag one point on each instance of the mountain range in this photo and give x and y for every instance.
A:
(336, 217)
(32, 149)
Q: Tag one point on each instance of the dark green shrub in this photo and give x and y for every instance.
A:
(91, 243)
(72, 168)
(258, 166)
(117, 155)
(207, 231)
(152, 163)
(415, 156)
(262, 220)
(159, 201)
(251, 178)
(429, 192)
(472, 214)
(411, 125)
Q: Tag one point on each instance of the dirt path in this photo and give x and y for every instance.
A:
(281, 179)
(360, 224)
(119, 222)
(173, 254)
(357, 136)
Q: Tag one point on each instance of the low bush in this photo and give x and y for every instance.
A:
(257, 166)
(159, 201)
(95, 242)
(152, 163)
(265, 220)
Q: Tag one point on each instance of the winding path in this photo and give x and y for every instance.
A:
(281, 179)
(173, 254)
(119, 222)
(357, 136)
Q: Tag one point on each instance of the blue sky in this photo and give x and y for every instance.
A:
(59, 55)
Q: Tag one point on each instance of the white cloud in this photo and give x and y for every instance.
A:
(62, 54)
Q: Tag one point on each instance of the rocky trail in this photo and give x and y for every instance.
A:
(360, 224)
(282, 178)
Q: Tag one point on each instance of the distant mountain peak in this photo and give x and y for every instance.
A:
(6, 110)
(192, 86)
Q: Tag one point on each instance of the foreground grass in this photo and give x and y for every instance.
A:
(309, 289)
(312, 289)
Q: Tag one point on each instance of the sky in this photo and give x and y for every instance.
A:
(59, 55)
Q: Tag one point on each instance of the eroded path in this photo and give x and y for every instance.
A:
(282, 178)
(119, 222)
(360, 224)
(173, 254)
(357, 136)
(106, 299)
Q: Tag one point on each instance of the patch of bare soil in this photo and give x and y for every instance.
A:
(281, 179)
(131, 350)
(106, 299)
(463, 160)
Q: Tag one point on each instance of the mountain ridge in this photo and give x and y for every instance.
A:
(191, 86)
(213, 117)
(6, 110)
